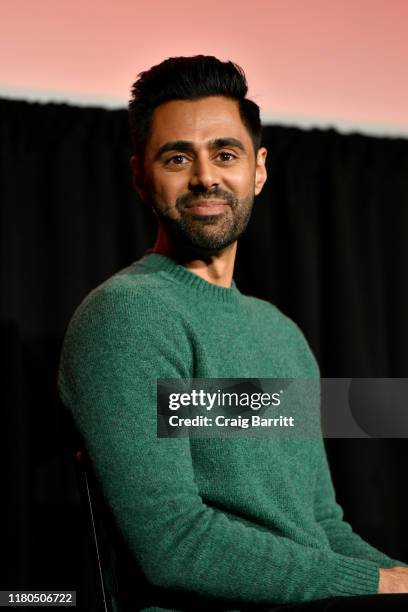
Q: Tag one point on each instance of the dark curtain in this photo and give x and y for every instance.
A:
(327, 243)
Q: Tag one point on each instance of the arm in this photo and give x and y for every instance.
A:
(341, 536)
(107, 379)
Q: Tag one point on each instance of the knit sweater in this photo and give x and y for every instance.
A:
(232, 520)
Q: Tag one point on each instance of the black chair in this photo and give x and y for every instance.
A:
(93, 507)
(88, 497)
(120, 583)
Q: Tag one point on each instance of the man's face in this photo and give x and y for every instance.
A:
(200, 172)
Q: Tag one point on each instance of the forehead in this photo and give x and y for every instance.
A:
(197, 121)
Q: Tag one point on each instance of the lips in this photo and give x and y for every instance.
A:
(207, 207)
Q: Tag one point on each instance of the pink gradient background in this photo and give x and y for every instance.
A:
(334, 62)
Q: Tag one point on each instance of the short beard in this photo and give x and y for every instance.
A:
(189, 233)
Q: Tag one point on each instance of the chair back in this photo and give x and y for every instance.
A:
(86, 489)
(72, 448)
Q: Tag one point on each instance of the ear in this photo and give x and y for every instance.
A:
(260, 170)
(138, 178)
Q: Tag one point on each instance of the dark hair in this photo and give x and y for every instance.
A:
(189, 78)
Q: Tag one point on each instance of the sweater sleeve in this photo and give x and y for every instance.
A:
(116, 347)
(340, 534)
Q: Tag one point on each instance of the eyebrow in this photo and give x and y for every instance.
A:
(187, 145)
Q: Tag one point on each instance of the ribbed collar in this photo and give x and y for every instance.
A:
(154, 262)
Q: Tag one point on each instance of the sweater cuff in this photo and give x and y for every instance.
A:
(396, 563)
(355, 577)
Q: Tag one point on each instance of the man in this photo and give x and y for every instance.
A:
(212, 523)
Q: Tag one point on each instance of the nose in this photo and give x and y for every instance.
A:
(204, 174)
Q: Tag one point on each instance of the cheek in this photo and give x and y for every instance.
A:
(168, 187)
(241, 183)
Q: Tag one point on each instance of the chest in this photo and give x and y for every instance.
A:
(238, 346)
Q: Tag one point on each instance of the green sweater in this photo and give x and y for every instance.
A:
(238, 520)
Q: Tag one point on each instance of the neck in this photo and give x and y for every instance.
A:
(216, 268)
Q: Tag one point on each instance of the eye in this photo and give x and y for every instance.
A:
(176, 160)
(226, 156)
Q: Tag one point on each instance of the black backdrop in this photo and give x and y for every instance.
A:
(327, 243)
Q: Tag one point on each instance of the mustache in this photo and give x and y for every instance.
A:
(189, 198)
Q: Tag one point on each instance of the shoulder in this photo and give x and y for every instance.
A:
(270, 315)
(128, 309)
(263, 308)
(283, 332)
(120, 329)
(126, 296)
